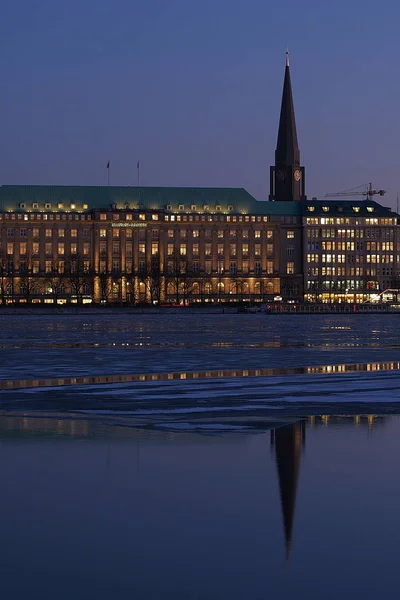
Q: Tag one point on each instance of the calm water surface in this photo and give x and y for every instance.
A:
(308, 511)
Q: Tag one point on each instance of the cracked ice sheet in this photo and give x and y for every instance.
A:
(253, 395)
(54, 345)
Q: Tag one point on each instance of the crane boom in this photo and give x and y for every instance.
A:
(369, 192)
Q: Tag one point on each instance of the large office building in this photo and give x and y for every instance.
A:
(184, 245)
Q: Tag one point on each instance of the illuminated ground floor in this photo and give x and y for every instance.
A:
(158, 290)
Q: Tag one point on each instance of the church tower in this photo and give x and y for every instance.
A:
(287, 177)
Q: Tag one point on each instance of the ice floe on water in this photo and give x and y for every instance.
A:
(146, 365)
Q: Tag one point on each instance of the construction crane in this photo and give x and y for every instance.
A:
(368, 192)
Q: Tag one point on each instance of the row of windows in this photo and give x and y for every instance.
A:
(11, 216)
(370, 246)
(48, 233)
(195, 233)
(331, 232)
(349, 271)
(345, 285)
(61, 248)
(351, 258)
(347, 221)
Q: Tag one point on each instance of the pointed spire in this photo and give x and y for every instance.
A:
(288, 446)
(287, 148)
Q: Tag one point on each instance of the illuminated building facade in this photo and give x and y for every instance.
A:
(185, 245)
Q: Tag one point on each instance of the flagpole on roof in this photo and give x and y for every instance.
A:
(108, 173)
(138, 173)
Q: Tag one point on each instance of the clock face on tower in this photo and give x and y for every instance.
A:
(281, 175)
(297, 175)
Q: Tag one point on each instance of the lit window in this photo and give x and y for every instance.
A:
(49, 233)
(73, 206)
(85, 206)
(74, 248)
(35, 248)
(325, 208)
(142, 248)
(22, 248)
(48, 248)
(60, 205)
(257, 234)
(74, 232)
(154, 217)
(61, 248)
(142, 217)
(290, 268)
(290, 234)
(182, 249)
(370, 208)
(61, 233)
(195, 233)
(10, 248)
(115, 232)
(86, 248)
(103, 217)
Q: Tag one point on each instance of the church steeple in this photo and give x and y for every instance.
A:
(288, 442)
(287, 176)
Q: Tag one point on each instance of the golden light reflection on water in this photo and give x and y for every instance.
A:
(77, 427)
(219, 374)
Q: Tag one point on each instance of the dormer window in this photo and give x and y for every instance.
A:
(181, 207)
(325, 208)
(22, 205)
(193, 207)
(356, 209)
(60, 205)
(311, 208)
(85, 206)
(35, 205)
(370, 208)
(230, 207)
(206, 207)
(169, 206)
(47, 205)
(73, 206)
(218, 207)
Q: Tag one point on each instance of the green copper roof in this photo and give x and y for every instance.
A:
(185, 199)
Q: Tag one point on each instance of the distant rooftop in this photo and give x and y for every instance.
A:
(174, 199)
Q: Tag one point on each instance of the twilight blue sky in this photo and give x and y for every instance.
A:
(193, 90)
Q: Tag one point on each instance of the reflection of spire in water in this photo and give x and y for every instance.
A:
(288, 442)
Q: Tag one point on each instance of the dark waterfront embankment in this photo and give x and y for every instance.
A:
(277, 308)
